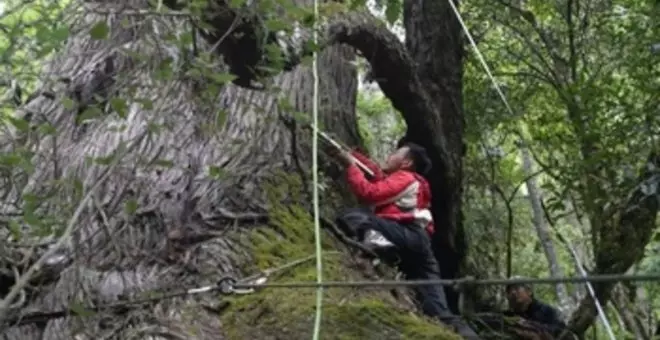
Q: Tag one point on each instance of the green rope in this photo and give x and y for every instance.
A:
(315, 179)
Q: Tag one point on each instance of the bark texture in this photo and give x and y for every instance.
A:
(195, 176)
(209, 213)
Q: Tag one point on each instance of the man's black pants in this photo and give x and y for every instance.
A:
(417, 260)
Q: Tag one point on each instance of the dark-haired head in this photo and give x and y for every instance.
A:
(408, 156)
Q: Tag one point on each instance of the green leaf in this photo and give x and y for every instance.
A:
(119, 105)
(186, 39)
(47, 129)
(15, 230)
(236, 3)
(146, 104)
(165, 163)
(60, 34)
(68, 103)
(89, 113)
(164, 70)
(99, 31)
(104, 160)
(78, 188)
(221, 118)
(356, 4)
(32, 219)
(222, 78)
(19, 123)
(393, 10)
(154, 128)
(10, 159)
(79, 309)
(131, 206)
(275, 25)
(41, 230)
(217, 172)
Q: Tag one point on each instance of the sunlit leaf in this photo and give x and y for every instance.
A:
(393, 10)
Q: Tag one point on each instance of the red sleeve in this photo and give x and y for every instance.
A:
(378, 191)
(378, 173)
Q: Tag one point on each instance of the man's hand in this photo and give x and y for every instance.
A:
(342, 156)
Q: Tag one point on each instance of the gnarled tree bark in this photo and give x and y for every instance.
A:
(175, 236)
(423, 79)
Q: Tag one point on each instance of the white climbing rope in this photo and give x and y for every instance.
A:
(315, 177)
(482, 60)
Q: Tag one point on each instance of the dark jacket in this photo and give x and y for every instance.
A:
(542, 313)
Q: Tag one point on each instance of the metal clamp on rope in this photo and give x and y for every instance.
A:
(226, 285)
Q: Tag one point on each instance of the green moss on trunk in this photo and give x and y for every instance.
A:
(348, 313)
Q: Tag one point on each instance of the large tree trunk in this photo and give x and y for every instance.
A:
(180, 233)
(222, 207)
(433, 38)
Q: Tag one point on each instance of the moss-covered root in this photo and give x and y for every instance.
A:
(348, 313)
(289, 315)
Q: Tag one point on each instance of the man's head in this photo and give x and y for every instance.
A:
(409, 156)
(519, 296)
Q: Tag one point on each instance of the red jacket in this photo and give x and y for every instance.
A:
(402, 196)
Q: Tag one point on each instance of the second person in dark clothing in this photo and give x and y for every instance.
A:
(399, 200)
(522, 303)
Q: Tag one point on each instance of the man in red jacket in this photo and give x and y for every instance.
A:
(399, 199)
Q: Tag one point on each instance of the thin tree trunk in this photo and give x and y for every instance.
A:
(189, 219)
(541, 227)
(622, 306)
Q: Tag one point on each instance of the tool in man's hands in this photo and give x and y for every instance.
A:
(324, 136)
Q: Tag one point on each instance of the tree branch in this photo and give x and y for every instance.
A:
(397, 77)
(240, 37)
(391, 65)
(544, 35)
(626, 239)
